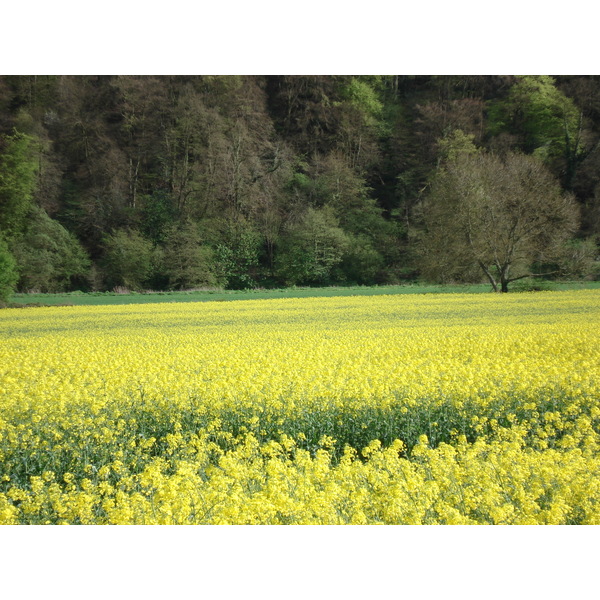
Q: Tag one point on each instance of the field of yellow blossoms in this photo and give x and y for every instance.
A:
(405, 409)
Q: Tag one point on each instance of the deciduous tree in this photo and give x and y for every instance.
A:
(496, 215)
(548, 123)
(17, 182)
(127, 260)
(312, 248)
(188, 262)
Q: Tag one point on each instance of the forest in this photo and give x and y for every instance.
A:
(186, 182)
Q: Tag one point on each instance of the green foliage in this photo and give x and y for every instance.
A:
(347, 193)
(455, 144)
(580, 259)
(300, 182)
(49, 258)
(237, 257)
(128, 259)
(362, 263)
(157, 214)
(17, 181)
(362, 94)
(312, 248)
(531, 284)
(371, 239)
(187, 262)
(8, 272)
(536, 109)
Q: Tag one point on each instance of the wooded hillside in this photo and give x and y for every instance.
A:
(176, 182)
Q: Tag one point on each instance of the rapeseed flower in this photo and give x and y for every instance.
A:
(448, 409)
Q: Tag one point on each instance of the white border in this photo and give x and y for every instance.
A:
(311, 37)
(466, 562)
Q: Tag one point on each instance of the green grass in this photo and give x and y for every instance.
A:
(99, 298)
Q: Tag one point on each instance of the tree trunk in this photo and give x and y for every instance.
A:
(489, 275)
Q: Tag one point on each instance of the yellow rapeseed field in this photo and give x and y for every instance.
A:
(405, 409)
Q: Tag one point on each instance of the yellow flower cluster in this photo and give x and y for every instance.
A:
(382, 409)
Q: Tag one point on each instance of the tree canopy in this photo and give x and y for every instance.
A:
(501, 215)
(170, 182)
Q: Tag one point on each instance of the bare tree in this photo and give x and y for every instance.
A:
(495, 215)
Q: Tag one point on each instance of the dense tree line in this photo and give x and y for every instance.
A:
(174, 182)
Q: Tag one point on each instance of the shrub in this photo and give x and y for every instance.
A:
(187, 263)
(128, 259)
(49, 258)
